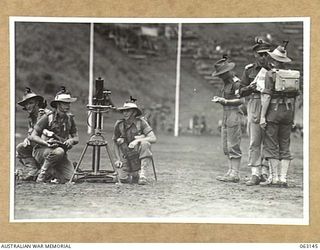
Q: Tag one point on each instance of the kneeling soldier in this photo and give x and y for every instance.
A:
(55, 134)
(132, 144)
(34, 105)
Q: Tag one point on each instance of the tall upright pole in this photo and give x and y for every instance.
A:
(176, 123)
(91, 75)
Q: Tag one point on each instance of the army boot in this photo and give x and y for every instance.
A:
(273, 178)
(264, 172)
(235, 171)
(255, 179)
(43, 172)
(145, 164)
(284, 166)
(222, 177)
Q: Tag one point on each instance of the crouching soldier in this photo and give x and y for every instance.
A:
(132, 138)
(35, 106)
(232, 116)
(55, 134)
(277, 115)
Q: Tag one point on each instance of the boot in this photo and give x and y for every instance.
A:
(43, 172)
(235, 169)
(145, 164)
(274, 174)
(284, 166)
(255, 180)
(222, 177)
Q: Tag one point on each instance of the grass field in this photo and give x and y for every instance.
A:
(186, 188)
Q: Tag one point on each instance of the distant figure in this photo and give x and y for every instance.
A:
(203, 125)
(196, 125)
(132, 138)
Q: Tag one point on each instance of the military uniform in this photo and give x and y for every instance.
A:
(279, 121)
(231, 122)
(127, 132)
(54, 161)
(253, 110)
(24, 152)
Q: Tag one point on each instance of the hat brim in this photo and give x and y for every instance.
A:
(278, 58)
(68, 100)
(262, 51)
(23, 102)
(127, 108)
(228, 67)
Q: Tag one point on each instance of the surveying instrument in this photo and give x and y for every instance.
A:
(101, 104)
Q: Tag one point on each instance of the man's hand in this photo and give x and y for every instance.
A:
(263, 123)
(253, 85)
(218, 99)
(118, 164)
(68, 143)
(133, 143)
(26, 142)
(52, 144)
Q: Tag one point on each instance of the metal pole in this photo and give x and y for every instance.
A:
(176, 124)
(91, 74)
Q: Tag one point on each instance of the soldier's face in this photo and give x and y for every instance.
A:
(128, 114)
(262, 58)
(64, 107)
(31, 106)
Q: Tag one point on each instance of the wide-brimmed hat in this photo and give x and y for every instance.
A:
(223, 66)
(131, 105)
(63, 95)
(28, 94)
(280, 53)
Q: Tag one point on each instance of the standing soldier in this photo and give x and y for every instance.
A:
(34, 105)
(132, 144)
(248, 88)
(277, 115)
(231, 122)
(55, 134)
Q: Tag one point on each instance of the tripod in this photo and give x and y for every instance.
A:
(96, 141)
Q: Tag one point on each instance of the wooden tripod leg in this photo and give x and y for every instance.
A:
(112, 164)
(79, 162)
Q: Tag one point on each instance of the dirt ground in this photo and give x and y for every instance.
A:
(186, 188)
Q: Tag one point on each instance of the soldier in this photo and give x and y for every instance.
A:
(35, 106)
(231, 122)
(277, 115)
(55, 134)
(132, 138)
(259, 171)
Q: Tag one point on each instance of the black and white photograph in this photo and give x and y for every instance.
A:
(159, 120)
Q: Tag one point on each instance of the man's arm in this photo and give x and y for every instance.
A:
(37, 132)
(265, 101)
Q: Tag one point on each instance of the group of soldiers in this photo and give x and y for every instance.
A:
(271, 91)
(270, 109)
(53, 132)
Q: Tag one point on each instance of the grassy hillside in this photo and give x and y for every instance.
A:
(49, 55)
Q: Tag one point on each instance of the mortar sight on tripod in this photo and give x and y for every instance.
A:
(102, 96)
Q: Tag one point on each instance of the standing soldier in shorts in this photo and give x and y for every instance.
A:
(34, 105)
(248, 88)
(232, 116)
(277, 115)
(55, 134)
